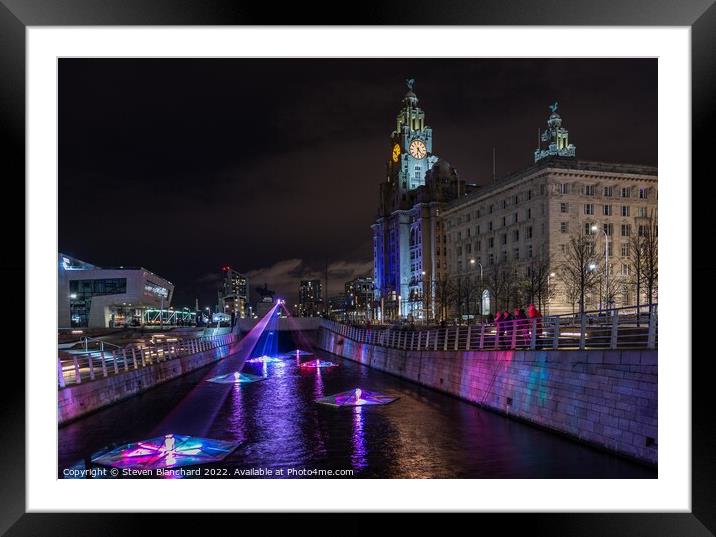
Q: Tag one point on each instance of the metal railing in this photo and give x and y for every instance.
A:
(620, 328)
(76, 368)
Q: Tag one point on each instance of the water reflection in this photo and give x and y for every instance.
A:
(279, 425)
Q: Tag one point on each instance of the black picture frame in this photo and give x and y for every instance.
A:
(17, 15)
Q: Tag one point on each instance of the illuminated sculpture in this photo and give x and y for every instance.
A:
(317, 363)
(236, 378)
(357, 397)
(165, 451)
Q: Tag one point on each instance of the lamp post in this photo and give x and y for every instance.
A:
(472, 262)
(606, 265)
(549, 275)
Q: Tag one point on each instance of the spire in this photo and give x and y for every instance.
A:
(554, 141)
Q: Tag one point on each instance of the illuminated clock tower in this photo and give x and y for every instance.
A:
(411, 145)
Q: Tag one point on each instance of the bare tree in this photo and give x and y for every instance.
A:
(504, 284)
(648, 231)
(636, 263)
(536, 287)
(580, 266)
(444, 297)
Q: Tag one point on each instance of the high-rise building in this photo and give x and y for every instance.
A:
(234, 293)
(359, 298)
(310, 298)
(408, 240)
(511, 240)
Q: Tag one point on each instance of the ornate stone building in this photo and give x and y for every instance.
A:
(524, 223)
(408, 238)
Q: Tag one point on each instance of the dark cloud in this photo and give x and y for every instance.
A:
(184, 166)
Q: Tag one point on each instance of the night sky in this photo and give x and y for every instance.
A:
(273, 166)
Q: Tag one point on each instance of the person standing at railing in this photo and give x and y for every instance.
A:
(521, 325)
(498, 328)
(508, 322)
(534, 313)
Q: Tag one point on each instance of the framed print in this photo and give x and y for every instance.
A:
(403, 263)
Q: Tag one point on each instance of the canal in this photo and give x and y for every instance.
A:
(424, 434)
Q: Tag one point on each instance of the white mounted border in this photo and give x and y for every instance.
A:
(671, 492)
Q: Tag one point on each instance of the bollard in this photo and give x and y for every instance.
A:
(60, 374)
(651, 341)
(555, 341)
(533, 338)
(78, 377)
(613, 340)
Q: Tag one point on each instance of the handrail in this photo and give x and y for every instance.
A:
(75, 368)
(621, 328)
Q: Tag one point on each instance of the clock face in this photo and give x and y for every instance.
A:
(396, 152)
(417, 149)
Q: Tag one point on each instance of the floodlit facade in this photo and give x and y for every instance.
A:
(105, 297)
(524, 223)
(408, 239)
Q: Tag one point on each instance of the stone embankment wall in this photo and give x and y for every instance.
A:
(76, 400)
(605, 398)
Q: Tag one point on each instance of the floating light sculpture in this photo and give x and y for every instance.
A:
(265, 359)
(317, 363)
(236, 378)
(165, 451)
(357, 397)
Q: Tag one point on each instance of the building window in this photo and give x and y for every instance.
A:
(608, 191)
(607, 210)
(491, 242)
(489, 226)
(515, 235)
(504, 204)
(529, 251)
(529, 195)
(588, 208)
(516, 199)
(609, 229)
(626, 230)
(516, 254)
(491, 259)
(589, 190)
(625, 210)
(564, 227)
(643, 193)
(588, 229)
(529, 213)
(564, 188)
(625, 269)
(503, 239)
(641, 212)
(504, 221)
(563, 207)
(625, 250)
(479, 246)
(626, 192)
(529, 232)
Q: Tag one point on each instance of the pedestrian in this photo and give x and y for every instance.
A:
(521, 327)
(508, 321)
(534, 313)
(498, 328)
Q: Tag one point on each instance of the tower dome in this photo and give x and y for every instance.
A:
(554, 121)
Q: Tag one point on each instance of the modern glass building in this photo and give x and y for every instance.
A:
(105, 297)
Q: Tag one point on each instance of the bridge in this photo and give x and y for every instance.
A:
(592, 378)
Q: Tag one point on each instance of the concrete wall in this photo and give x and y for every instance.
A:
(605, 398)
(284, 325)
(79, 399)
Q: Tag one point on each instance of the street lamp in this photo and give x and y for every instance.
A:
(550, 275)
(606, 265)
